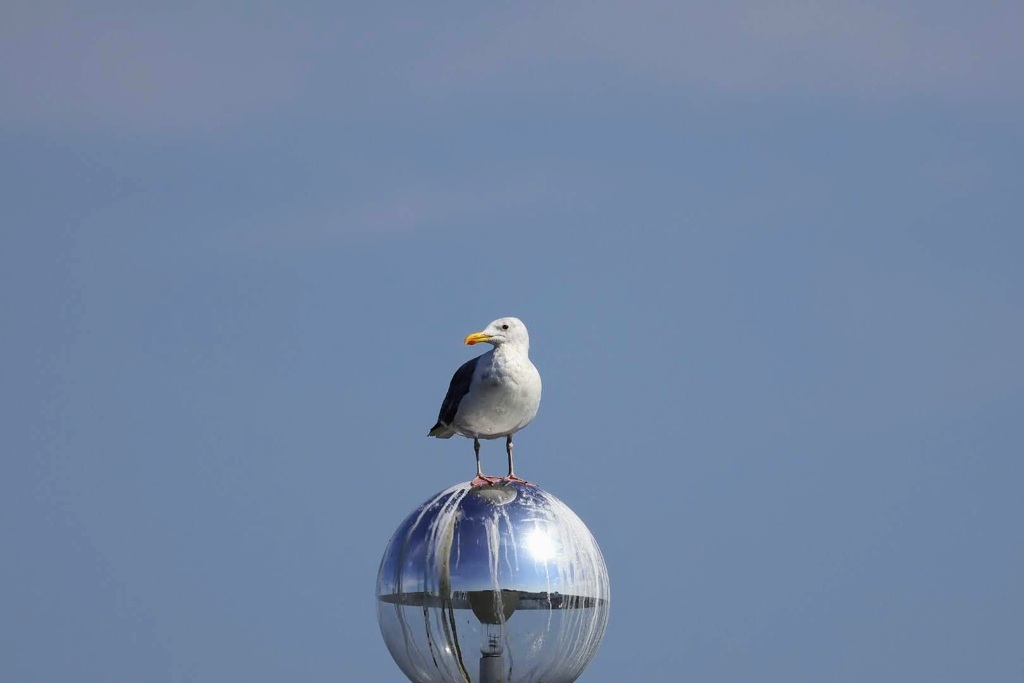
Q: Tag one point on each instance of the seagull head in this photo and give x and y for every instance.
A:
(502, 331)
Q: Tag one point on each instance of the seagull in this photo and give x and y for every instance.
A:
(493, 395)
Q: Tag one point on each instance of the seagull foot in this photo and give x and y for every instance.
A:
(484, 480)
(518, 480)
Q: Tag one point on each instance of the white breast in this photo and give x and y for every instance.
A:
(503, 398)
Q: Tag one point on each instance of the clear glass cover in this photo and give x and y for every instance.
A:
(496, 584)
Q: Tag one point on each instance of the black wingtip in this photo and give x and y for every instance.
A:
(441, 431)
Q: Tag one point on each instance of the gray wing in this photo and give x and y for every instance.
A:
(458, 388)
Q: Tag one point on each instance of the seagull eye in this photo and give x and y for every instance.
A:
(504, 327)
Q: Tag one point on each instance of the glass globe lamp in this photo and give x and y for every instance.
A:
(492, 584)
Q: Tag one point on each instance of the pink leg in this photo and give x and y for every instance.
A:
(481, 479)
(511, 476)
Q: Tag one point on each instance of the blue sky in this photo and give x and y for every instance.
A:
(769, 255)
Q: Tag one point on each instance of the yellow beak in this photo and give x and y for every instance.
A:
(476, 338)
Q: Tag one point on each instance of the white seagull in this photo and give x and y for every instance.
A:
(493, 395)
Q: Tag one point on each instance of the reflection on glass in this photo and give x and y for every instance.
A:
(541, 545)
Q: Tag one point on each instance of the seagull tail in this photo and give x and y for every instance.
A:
(441, 431)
